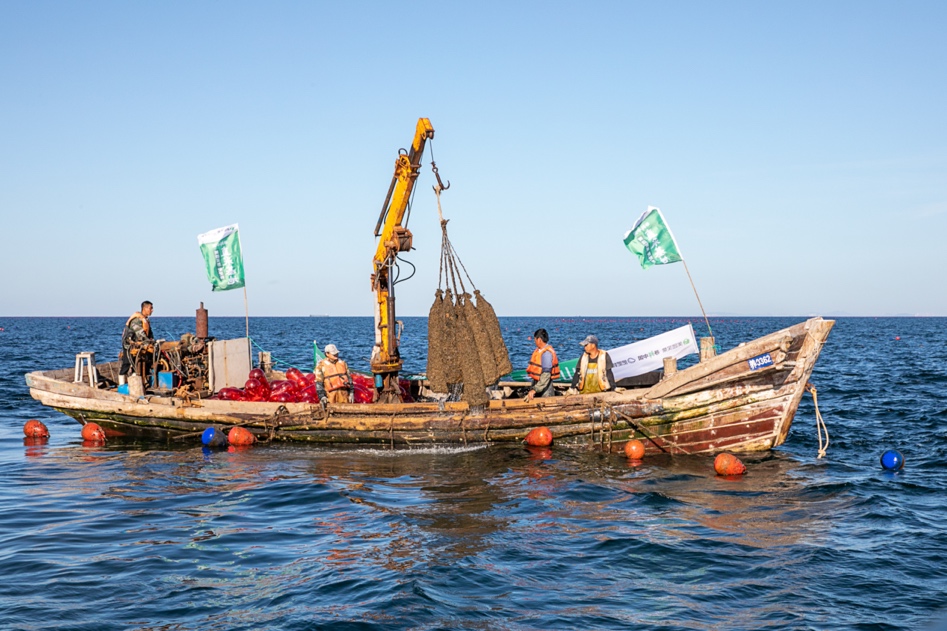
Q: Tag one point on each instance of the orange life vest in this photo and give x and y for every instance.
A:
(146, 326)
(335, 376)
(535, 367)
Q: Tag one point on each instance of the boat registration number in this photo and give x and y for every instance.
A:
(760, 361)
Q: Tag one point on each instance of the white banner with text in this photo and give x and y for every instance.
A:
(638, 358)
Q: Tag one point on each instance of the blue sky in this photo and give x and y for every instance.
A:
(798, 150)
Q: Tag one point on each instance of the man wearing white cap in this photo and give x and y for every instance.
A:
(594, 372)
(333, 374)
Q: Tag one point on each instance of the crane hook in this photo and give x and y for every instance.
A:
(440, 185)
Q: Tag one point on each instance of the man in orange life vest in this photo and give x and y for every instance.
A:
(594, 371)
(137, 329)
(333, 375)
(543, 367)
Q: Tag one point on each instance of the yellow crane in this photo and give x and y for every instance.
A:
(393, 237)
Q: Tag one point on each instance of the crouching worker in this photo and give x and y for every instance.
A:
(543, 367)
(333, 375)
(594, 372)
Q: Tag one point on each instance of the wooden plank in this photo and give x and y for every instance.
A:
(730, 374)
(737, 355)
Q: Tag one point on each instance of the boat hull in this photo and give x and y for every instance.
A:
(725, 403)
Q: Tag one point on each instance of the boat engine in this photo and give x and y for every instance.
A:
(185, 358)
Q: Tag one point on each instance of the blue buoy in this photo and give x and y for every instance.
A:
(892, 460)
(213, 437)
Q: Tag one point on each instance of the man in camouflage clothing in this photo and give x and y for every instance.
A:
(137, 329)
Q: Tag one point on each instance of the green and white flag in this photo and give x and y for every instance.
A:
(223, 258)
(651, 240)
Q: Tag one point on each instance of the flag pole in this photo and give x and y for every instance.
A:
(694, 287)
(706, 321)
(646, 241)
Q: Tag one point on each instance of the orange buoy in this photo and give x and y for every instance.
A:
(539, 437)
(728, 464)
(634, 449)
(35, 429)
(93, 432)
(241, 436)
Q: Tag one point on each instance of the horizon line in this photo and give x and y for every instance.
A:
(699, 317)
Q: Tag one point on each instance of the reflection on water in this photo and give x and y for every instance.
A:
(762, 509)
(422, 491)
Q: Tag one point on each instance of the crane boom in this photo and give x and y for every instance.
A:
(393, 237)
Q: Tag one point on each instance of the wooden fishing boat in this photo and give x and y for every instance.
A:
(742, 400)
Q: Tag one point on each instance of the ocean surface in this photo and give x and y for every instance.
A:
(149, 537)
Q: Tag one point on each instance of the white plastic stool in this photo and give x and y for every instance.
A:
(83, 360)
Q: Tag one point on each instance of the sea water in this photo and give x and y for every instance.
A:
(297, 537)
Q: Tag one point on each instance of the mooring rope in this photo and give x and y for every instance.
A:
(638, 426)
(280, 412)
(819, 423)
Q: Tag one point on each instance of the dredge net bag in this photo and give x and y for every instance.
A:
(465, 344)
